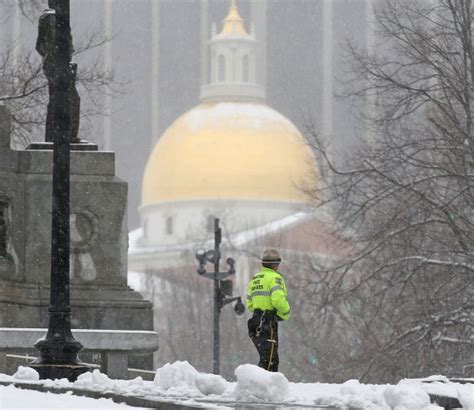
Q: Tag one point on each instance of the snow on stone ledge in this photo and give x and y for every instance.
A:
(180, 382)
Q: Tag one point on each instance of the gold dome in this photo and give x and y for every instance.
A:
(229, 150)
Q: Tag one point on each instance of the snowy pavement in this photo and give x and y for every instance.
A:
(181, 384)
(14, 398)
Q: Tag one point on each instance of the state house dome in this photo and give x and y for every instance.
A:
(230, 157)
(229, 150)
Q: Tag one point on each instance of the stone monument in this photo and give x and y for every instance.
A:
(100, 297)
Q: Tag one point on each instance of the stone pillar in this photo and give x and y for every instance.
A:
(114, 364)
(100, 296)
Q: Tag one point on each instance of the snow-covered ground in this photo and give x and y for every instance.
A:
(181, 383)
(13, 398)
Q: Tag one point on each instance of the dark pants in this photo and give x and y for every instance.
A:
(263, 330)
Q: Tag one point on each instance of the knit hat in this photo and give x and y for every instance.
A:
(271, 256)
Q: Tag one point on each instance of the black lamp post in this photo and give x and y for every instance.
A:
(222, 288)
(58, 350)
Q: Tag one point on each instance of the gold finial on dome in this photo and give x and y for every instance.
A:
(233, 23)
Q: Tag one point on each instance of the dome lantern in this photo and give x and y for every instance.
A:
(233, 63)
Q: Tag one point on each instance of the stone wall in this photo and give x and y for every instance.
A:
(100, 297)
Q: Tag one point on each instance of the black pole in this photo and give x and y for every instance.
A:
(220, 291)
(217, 307)
(58, 350)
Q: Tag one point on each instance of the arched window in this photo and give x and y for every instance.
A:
(245, 69)
(169, 225)
(221, 68)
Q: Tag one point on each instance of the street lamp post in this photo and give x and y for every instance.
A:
(222, 288)
(217, 297)
(58, 349)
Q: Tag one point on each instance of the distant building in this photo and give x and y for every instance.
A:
(231, 157)
(234, 158)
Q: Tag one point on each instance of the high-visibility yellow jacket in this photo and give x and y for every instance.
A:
(267, 291)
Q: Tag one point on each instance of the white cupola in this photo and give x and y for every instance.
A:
(232, 63)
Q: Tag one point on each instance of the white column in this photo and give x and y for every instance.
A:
(370, 26)
(258, 13)
(107, 68)
(327, 92)
(204, 39)
(16, 34)
(155, 70)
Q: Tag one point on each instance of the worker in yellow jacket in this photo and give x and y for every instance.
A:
(267, 299)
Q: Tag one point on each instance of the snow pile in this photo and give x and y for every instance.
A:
(351, 394)
(135, 386)
(442, 386)
(26, 373)
(406, 398)
(180, 376)
(354, 388)
(180, 382)
(211, 384)
(466, 397)
(94, 379)
(256, 383)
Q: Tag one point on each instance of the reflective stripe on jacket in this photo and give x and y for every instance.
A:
(267, 291)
